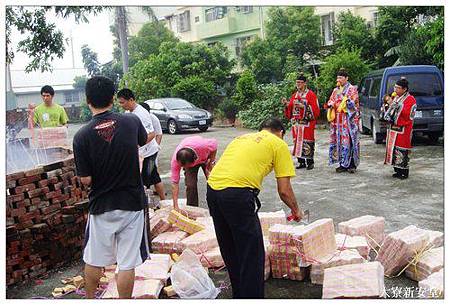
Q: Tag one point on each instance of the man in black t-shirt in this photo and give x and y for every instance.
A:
(106, 157)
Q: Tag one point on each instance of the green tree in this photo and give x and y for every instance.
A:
(148, 40)
(394, 25)
(246, 90)
(412, 50)
(44, 42)
(90, 61)
(294, 30)
(262, 60)
(177, 68)
(79, 82)
(434, 46)
(351, 32)
(350, 60)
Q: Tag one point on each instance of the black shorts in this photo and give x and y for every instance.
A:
(150, 175)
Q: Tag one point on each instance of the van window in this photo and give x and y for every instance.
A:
(375, 89)
(365, 86)
(423, 84)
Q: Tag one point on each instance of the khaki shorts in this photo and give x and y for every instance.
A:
(116, 237)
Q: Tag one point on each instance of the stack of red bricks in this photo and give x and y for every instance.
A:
(45, 219)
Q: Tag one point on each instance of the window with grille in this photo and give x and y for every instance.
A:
(215, 13)
(240, 43)
(184, 22)
(71, 97)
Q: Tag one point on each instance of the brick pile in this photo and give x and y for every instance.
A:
(45, 219)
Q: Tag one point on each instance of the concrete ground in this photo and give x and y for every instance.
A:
(371, 190)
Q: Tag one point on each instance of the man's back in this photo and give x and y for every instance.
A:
(248, 159)
(106, 150)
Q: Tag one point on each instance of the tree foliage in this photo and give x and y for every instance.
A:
(352, 33)
(44, 42)
(394, 26)
(349, 60)
(148, 41)
(434, 46)
(90, 61)
(246, 90)
(178, 69)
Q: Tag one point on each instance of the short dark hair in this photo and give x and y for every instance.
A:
(402, 82)
(301, 77)
(185, 156)
(145, 105)
(48, 89)
(274, 124)
(342, 72)
(126, 94)
(100, 91)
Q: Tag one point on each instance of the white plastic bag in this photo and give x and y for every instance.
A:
(190, 280)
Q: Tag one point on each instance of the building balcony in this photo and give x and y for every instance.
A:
(233, 22)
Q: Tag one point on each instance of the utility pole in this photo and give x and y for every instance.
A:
(121, 24)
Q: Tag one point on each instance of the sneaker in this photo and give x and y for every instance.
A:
(341, 169)
(310, 166)
(396, 175)
(352, 170)
(402, 177)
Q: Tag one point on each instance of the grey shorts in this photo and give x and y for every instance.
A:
(116, 237)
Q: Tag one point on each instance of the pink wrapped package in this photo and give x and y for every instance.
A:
(266, 259)
(435, 238)
(157, 268)
(200, 242)
(433, 285)
(354, 281)
(339, 258)
(282, 233)
(429, 262)
(158, 225)
(211, 258)
(52, 137)
(267, 219)
(315, 241)
(169, 242)
(207, 222)
(357, 243)
(286, 269)
(399, 248)
(371, 227)
(143, 289)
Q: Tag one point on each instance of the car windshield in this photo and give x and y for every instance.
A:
(419, 84)
(174, 104)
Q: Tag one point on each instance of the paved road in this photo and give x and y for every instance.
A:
(418, 200)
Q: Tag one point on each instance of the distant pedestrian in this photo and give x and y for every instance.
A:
(400, 116)
(49, 113)
(303, 110)
(343, 115)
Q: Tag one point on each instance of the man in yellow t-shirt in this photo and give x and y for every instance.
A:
(49, 114)
(233, 186)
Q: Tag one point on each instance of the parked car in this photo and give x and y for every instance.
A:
(176, 114)
(426, 84)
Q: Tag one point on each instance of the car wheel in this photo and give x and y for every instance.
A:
(203, 128)
(172, 127)
(377, 137)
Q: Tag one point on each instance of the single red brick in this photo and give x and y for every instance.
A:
(34, 172)
(15, 198)
(11, 184)
(28, 180)
(18, 212)
(15, 176)
(43, 183)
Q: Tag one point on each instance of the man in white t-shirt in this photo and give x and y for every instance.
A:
(159, 187)
(149, 151)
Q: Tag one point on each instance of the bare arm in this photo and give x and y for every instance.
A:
(175, 190)
(86, 180)
(287, 196)
(158, 139)
(150, 136)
